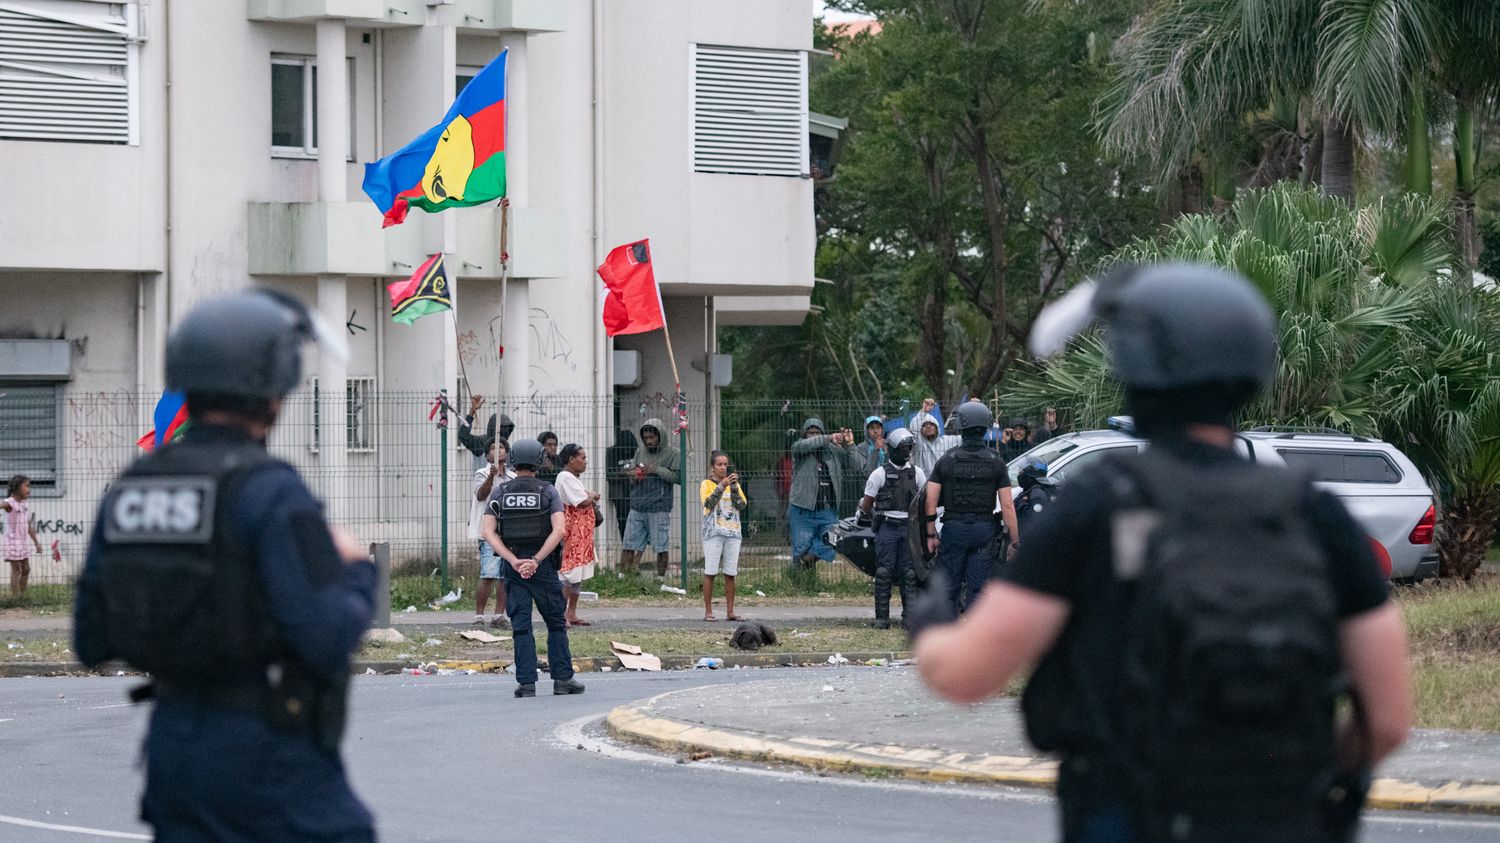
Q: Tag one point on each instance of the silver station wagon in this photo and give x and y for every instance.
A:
(1381, 488)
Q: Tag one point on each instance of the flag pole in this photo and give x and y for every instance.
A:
(681, 412)
(504, 287)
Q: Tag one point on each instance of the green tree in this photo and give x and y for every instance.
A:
(1444, 410)
(967, 175)
(1376, 337)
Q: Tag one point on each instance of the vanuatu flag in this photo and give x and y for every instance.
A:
(426, 291)
(457, 163)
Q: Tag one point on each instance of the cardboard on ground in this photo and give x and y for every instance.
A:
(631, 657)
(482, 636)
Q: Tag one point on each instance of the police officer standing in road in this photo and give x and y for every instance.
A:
(524, 525)
(889, 494)
(965, 482)
(211, 567)
(1197, 616)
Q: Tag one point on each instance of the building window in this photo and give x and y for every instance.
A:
(28, 432)
(464, 77)
(68, 71)
(294, 107)
(749, 111)
(359, 416)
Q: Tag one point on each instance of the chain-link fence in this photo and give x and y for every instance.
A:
(388, 483)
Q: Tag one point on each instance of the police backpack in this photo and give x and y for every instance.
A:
(1231, 658)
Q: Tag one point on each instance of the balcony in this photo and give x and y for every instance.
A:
(761, 310)
(477, 16)
(345, 238)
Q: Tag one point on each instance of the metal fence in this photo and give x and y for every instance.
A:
(388, 485)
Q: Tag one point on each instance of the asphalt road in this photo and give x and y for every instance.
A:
(457, 759)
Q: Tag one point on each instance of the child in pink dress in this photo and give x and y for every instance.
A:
(18, 527)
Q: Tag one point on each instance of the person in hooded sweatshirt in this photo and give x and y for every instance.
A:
(931, 442)
(656, 467)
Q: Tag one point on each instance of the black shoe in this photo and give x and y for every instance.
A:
(565, 686)
(527, 690)
(881, 623)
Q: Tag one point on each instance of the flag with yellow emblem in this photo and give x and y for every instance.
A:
(426, 291)
(457, 163)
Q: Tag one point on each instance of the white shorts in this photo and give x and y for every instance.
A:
(721, 549)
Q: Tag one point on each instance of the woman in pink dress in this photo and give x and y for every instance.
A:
(580, 511)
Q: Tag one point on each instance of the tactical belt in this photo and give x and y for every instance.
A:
(968, 516)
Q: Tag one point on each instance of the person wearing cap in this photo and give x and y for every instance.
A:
(1216, 656)
(872, 449)
(237, 598)
(651, 473)
(479, 444)
(1018, 441)
(820, 462)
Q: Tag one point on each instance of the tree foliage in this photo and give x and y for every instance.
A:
(969, 192)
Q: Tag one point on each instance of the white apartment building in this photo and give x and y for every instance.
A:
(159, 151)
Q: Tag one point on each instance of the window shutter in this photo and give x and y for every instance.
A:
(28, 431)
(65, 68)
(749, 111)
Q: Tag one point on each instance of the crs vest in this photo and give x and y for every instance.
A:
(522, 511)
(970, 481)
(899, 489)
(180, 600)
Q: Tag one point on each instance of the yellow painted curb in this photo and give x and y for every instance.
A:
(636, 723)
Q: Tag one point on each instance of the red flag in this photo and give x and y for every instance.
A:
(633, 305)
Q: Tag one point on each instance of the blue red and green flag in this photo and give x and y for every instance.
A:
(170, 418)
(426, 291)
(455, 164)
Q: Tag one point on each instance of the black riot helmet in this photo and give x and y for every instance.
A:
(526, 453)
(900, 443)
(1191, 343)
(972, 416)
(245, 345)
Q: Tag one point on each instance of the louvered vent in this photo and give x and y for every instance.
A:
(65, 68)
(749, 111)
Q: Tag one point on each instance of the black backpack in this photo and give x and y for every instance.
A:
(1231, 663)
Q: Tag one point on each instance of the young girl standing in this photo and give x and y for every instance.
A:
(18, 527)
(722, 502)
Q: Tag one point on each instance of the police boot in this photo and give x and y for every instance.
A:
(561, 687)
(882, 603)
(908, 594)
(527, 690)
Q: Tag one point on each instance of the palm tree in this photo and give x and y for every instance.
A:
(1376, 337)
(1444, 412)
(1192, 70)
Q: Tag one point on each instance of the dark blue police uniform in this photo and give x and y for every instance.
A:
(970, 476)
(543, 588)
(222, 763)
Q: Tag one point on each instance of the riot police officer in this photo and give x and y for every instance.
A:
(524, 525)
(889, 493)
(965, 482)
(212, 568)
(1195, 614)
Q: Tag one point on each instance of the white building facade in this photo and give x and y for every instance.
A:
(160, 151)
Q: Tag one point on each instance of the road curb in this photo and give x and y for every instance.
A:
(637, 723)
(587, 664)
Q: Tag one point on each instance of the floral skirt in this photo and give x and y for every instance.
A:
(578, 542)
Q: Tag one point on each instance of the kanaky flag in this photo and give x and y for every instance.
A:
(170, 418)
(457, 163)
(426, 291)
(633, 305)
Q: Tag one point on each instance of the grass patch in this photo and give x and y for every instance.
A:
(55, 596)
(37, 650)
(1455, 643)
(711, 640)
(421, 590)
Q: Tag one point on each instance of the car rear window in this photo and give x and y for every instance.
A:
(1343, 466)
